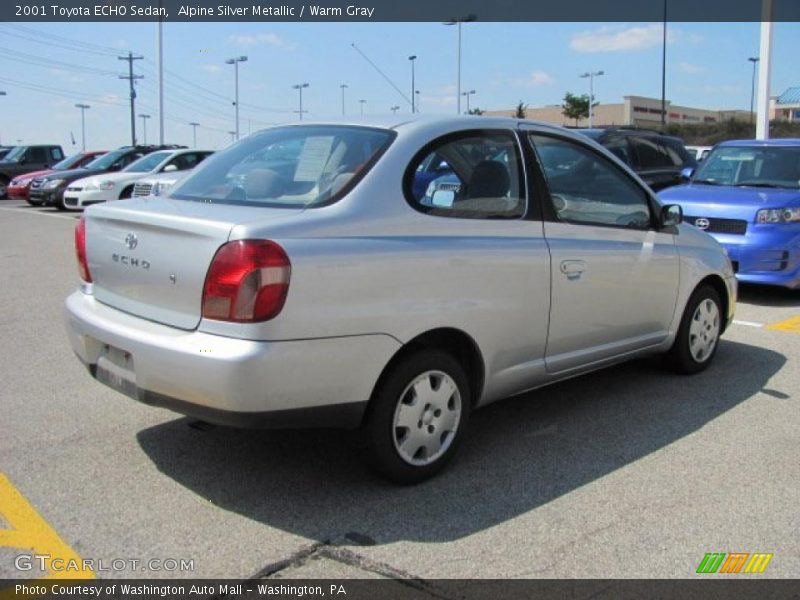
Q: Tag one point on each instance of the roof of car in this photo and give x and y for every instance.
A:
(771, 142)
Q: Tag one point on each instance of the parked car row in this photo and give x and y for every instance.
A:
(32, 173)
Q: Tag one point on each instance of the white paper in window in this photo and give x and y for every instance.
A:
(313, 158)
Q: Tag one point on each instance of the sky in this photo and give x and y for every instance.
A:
(46, 68)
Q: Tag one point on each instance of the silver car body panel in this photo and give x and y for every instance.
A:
(369, 274)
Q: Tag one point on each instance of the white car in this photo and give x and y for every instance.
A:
(157, 185)
(116, 186)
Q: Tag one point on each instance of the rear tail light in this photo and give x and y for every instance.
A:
(80, 250)
(247, 282)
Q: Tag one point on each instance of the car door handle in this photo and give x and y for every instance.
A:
(573, 268)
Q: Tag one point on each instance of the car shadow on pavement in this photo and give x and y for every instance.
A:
(767, 295)
(519, 454)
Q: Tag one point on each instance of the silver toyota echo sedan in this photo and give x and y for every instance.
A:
(390, 277)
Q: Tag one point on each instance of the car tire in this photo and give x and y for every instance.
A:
(59, 203)
(3, 188)
(34, 202)
(417, 417)
(698, 335)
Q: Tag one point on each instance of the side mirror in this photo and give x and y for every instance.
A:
(443, 198)
(686, 174)
(169, 169)
(671, 215)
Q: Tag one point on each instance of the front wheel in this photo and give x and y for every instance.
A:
(698, 336)
(417, 417)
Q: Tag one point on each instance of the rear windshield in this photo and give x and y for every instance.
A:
(291, 167)
(69, 162)
(106, 160)
(147, 163)
(753, 166)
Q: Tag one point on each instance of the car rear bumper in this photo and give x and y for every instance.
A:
(765, 254)
(246, 383)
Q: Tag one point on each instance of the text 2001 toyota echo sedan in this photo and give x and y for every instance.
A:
(300, 277)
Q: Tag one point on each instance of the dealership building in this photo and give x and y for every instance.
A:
(633, 111)
(785, 107)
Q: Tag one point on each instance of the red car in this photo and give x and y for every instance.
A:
(20, 185)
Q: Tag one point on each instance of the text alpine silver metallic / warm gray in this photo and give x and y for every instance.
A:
(390, 277)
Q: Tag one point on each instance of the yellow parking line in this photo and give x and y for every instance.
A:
(31, 534)
(791, 325)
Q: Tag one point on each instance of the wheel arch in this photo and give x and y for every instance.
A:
(718, 285)
(455, 342)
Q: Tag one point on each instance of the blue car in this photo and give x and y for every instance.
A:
(746, 194)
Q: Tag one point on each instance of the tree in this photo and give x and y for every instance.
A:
(576, 107)
(519, 113)
(475, 111)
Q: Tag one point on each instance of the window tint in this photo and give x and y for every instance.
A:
(618, 146)
(473, 175)
(650, 153)
(37, 155)
(587, 188)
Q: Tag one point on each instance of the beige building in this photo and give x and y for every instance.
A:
(634, 111)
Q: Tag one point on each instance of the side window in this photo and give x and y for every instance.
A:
(128, 159)
(475, 175)
(56, 154)
(587, 189)
(651, 154)
(37, 155)
(618, 146)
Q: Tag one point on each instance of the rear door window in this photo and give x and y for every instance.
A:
(650, 154)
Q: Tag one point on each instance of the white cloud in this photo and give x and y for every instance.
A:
(120, 44)
(685, 67)
(615, 39)
(257, 39)
(210, 68)
(66, 76)
(714, 89)
(534, 79)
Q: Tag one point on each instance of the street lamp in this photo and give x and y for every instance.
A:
(194, 133)
(362, 102)
(591, 75)
(235, 62)
(394, 109)
(233, 134)
(344, 87)
(83, 108)
(416, 93)
(458, 22)
(299, 87)
(413, 59)
(468, 94)
(144, 126)
(754, 60)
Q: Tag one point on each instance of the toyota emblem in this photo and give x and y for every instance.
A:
(702, 223)
(131, 241)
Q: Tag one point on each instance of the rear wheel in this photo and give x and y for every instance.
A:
(417, 417)
(698, 336)
(58, 202)
(34, 201)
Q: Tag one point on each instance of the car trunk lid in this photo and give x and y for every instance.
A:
(149, 257)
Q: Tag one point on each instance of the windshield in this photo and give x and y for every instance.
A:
(104, 162)
(289, 167)
(15, 153)
(147, 163)
(756, 166)
(69, 162)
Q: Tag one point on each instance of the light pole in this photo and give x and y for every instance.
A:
(663, 73)
(394, 109)
(144, 126)
(591, 75)
(458, 22)
(235, 62)
(362, 103)
(194, 133)
(83, 108)
(233, 134)
(299, 87)
(754, 60)
(2, 93)
(416, 93)
(467, 95)
(413, 59)
(344, 87)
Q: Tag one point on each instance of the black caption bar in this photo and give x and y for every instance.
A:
(402, 589)
(398, 10)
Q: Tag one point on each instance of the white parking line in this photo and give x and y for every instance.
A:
(747, 323)
(28, 211)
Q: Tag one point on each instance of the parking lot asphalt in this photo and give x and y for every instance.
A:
(631, 472)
